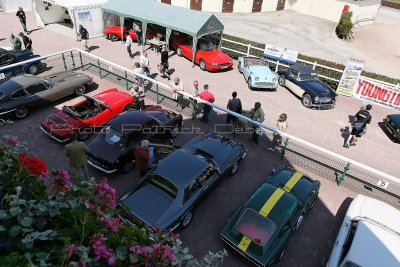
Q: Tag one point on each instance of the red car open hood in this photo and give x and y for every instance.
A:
(215, 56)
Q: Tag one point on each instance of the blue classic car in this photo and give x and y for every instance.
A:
(12, 57)
(303, 82)
(257, 73)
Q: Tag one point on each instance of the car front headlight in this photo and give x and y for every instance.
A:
(274, 80)
(316, 99)
(214, 64)
(230, 62)
(387, 118)
(257, 78)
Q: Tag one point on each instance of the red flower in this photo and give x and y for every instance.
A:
(35, 166)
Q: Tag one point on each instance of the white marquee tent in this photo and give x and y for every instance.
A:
(11, 6)
(88, 13)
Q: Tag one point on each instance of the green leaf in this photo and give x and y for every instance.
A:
(14, 211)
(2, 228)
(14, 231)
(40, 222)
(121, 253)
(3, 214)
(73, 203)
(53, 212)
(26, 221)
(42, 208)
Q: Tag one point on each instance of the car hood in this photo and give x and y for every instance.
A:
(65, 77)
(114, 28)
(148, 204)
(396, 119)
(318, 88)
(262, 71)
(22, 54)
(216, 56)
(102, 150)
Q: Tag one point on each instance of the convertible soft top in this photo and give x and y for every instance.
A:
(302, 69)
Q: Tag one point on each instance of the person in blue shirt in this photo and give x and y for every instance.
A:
(153, 156)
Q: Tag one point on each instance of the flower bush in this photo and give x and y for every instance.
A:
(57, 220)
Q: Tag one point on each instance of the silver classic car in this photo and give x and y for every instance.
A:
(23, 92)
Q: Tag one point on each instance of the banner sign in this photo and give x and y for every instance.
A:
(281, 54)
(84, 15)
(350, 75)
(377, 92)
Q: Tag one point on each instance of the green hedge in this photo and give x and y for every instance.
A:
(320, 70)
(344, 27)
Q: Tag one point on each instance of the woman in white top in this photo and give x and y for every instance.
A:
(281, 125)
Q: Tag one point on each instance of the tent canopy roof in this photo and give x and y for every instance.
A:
(76, 3)
(192, 22)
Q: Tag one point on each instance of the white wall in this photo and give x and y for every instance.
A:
(54, 14)
(269, 5)
(95, 25)
(212, 5)
(11, 6)
(181, 3)
(243, 6)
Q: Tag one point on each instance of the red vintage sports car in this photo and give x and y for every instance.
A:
(207, 56)
(114, 33)
(82, 117)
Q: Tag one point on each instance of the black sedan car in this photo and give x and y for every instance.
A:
(392, 124)
(12, 57)
(23, 92)
(167, 196)
(114, 148)
(303, 82)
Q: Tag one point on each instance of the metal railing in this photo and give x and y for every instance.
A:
(318, 160)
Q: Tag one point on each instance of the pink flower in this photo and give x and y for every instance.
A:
(111, 260)
(112, 225)
(12, 141)
(71, 248)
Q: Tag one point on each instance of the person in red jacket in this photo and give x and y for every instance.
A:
(142, 157)
(209, 97)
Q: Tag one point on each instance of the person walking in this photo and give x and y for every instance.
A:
(128, 44)
(281, 125)
(137, 27)
(15, 41)
(138, 70)
(154, 154)
(142, 157)
(22, 18)
(234, 105)
(209, 97)
(164, 65)
(256, 114)
(194, 91)
(76, 153)
(144, 63)
(26, 40)
(361, 121)
(177, 85)
(139, 95)
(84, 34)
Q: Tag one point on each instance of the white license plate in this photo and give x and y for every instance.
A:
(224, 67)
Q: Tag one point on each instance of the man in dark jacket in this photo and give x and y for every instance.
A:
(361, 121)
(76, 152)
(26, 40)
(142, 157)
(22, 18)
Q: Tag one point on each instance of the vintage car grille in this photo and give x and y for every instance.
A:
(224, 64)
(57, 120)
(99, 162)
(325, 100)
(265, 84)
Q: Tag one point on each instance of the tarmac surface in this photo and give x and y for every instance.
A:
(312, 243)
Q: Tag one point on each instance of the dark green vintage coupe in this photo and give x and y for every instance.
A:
(261, 228)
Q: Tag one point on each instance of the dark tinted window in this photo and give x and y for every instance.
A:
(5, 57)
(36, 88)
(205, 176)
(350, 264)
(163, 184)
(190, 190)
(18, 94)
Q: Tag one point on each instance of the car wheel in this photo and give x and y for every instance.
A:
(235, 167)
(299, 221)
(175, 131)
(312, 203)
(249, 83)
(240, 67)
(179, 51)
(127, 108)
(80, 90)
(84, 133)
(203, 65)
(113, 37)
(282, 80)
(127, 167)
(187, 219)
(306, 101)
(21, 113)
(33, 69)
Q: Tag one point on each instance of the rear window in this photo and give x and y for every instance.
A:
(308, 76)
(256, 227)
(163, 184)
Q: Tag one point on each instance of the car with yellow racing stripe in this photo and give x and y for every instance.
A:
(261, 228)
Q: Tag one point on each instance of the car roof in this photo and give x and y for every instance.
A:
(395, 118)
(302, 69)
(181, 167)
(17, 82)
(374, 246)
(129, 121)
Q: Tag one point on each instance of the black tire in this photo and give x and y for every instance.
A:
(187, 219)
(127, 167)
(127, 108)
(85, 133)
(113, 37)
(175, 130)
(235, 167)
(312, 204)
(21, 113)
(282, 80)
(179, 51)
(33, 69)
(249, 83)
(203, 65)
(239, 67)
(80, 90)
(306, 100)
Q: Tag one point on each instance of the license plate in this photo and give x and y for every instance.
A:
(224, 67)
(389, 130)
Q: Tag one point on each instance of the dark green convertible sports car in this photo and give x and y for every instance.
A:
(261, 228)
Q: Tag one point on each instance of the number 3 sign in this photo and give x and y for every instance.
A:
(383, 184)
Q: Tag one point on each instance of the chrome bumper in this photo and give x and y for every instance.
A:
(5, 112)
(100, 168)
(55, 138)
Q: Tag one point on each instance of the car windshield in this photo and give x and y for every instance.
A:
(163, 184)
(113, 137)
(207, 46)
(256, 227)
(257, 62)
(308, 76)
(48, 83)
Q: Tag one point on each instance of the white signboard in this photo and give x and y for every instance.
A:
(383, 184)
(281, 54)
(351, 73)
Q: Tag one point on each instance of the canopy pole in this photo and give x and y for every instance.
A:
(220, 41)
(194, 49)
(121, 21)
(74, 19)
(144, 30)
(167, 36)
